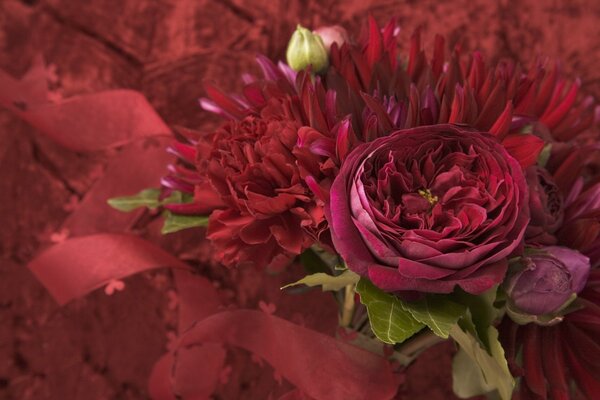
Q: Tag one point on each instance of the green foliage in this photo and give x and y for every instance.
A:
(480, 314)
(313, 262)
(146, 198)
(175, 222)
(480, 366)
(437, 312)
(389, 320)
(149, 198)
(545, 155)
(328, 282)
(467, 378)
(494, 373)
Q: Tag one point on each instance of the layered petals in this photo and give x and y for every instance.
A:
(269, 215)
(428, 209)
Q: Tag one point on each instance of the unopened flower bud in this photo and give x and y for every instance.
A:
(546, 281)
(332, 34)
(306, 49)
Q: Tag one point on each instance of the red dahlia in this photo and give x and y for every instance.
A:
(269, 213)
(561, 360)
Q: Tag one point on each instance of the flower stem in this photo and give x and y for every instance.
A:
(348, 307)
(411, 349)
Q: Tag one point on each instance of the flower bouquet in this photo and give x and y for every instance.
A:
(436, 196)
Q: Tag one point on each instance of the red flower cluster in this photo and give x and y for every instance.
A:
(553, 356)
(424, 176)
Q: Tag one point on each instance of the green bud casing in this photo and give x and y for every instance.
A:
(306, 49)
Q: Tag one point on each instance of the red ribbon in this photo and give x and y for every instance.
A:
(319, 365)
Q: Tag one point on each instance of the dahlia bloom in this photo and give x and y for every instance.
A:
(366, 142)
(366, 94)
(366, 82)
(560, 361)
(269, 211)
(545, 205)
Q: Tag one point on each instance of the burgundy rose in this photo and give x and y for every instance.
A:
(545, 205)
(546, 280)
(429, 208)
(269, 213)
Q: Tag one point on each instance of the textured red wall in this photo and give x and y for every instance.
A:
(103, 347)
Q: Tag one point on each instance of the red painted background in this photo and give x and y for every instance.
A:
(103, 347)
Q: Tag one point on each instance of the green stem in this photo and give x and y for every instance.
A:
(348, 307)
(411, 349)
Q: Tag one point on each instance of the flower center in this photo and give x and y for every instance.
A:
(426, 194)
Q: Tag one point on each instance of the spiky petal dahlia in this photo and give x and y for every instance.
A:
(367, 83)
(367, 93)
(562, 361)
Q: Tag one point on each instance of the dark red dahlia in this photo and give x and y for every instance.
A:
(561, 361)
(184, 177)
(546, 207)
(558, 362)
(380, 95)
(366, 94)
(269, 213)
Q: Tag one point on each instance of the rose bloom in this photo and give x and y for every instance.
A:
(429, 208)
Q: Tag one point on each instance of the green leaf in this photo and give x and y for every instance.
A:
(526, 129)
(148, 198)
(545, 155)
(177, 197)
(175, 222)
(493, 365)
(145, 198)
(467, 378)
(439, 313)
(389, 320)
(328, 282)
(313, 262)
(481, 313)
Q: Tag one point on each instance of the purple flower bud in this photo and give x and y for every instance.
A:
(547, 280)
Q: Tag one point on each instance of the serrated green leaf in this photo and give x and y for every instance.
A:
(145, 198)
(175, 222)
(494, 368)
(327, 282)
(437, 312)
(390, 322)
